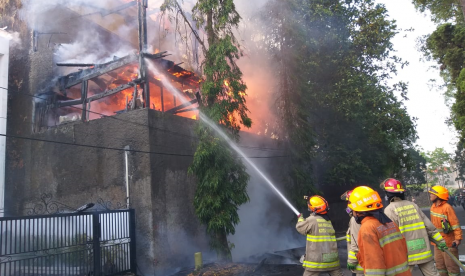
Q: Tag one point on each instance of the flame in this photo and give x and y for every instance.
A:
(227, 88)
(124, 100)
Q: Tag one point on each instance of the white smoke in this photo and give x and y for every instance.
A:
(13, 37)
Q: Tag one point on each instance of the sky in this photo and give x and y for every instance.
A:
(425, 103)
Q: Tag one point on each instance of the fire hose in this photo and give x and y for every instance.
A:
(451, 256)
(446, 250)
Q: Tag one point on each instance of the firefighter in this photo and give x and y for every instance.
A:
(351, 237)
(321, 254)
(414, 225)
(444, 219)
(382, 248)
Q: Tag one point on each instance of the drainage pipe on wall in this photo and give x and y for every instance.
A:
(126, 162)
(4, 60)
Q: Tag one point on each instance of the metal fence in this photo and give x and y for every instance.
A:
(94, 243)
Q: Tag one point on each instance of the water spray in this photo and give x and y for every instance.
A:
(231, 143)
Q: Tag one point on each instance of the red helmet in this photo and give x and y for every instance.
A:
(392, 185)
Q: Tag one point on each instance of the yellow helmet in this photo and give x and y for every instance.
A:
(318, 204)
(440, 192)
(363, 199)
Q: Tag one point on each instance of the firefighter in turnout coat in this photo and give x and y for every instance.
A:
(382, 248)
(351, 238)
(321, 254)
(446, 222)
(414, 225)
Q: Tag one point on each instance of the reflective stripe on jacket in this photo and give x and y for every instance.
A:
(321, 252)
(382, 249)
(352, 247)
(445, 211)
(415, 227)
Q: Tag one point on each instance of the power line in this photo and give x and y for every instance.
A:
(165, 130)
(145, 126)
(119, 149)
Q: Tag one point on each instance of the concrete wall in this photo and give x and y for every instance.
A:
(168, 232)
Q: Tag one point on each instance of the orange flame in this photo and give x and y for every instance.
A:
(125, 99)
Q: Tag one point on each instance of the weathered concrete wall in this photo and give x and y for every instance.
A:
(19, 104)
(167, 230)
(176, 227)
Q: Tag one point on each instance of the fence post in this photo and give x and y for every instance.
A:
(96, 243)
(132, 245)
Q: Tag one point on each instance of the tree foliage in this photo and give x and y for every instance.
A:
(459, 164)
(415, 178)
(446, 46)
(438, 166)
(334, 59)
(441, 10)
(222, 178)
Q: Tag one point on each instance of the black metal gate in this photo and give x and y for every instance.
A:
(94, 243)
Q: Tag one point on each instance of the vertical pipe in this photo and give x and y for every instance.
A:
(126, 153)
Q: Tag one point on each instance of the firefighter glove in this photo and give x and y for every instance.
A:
(351, 266)
(442, 246)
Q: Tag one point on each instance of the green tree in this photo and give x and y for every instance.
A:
(438, 166)
(415, 178)
(222, 177)
(459, 164)
(446, 46)
(333, 60)
(442, 10)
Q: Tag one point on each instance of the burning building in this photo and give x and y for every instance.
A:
(116, 87)
(93, 114)
(93, 117)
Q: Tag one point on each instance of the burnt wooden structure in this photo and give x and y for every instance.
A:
(92, 83)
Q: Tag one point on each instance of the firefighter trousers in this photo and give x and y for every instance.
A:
(444, 264)
(428, 268)
(336, 272)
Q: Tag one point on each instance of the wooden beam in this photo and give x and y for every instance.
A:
(179, 107)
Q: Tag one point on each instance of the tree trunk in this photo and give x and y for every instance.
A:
(224, 254)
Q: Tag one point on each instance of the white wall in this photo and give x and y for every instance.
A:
(4, 60)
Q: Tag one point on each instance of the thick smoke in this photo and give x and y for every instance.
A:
(267, 224)
(88, 31)
(79, 31)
